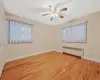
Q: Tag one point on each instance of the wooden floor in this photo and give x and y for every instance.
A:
(51, 66)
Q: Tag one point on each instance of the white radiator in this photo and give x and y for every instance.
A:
(74, 51)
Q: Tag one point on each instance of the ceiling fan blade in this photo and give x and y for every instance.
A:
(51, 18)
(63, 9)
(50, 6)
(46, 14)
(61, 16)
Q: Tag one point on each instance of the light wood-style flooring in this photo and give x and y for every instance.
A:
(51, 66)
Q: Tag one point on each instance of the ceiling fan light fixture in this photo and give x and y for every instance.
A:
(55, 12)
(54, 15)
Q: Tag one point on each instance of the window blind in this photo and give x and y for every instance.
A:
(74, 33)
(19, 32)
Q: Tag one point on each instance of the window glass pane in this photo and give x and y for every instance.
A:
(19, 32)
(74, 33)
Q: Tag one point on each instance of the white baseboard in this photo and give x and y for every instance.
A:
(92, 59)
(24, 56)
(1, 69)
(58, 51)
(20, 57)
(84, 57)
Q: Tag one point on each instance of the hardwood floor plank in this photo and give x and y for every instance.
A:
(51, 66)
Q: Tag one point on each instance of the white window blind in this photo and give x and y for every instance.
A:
(19, 32)
(74, 33)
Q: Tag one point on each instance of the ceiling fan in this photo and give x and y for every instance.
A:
(54, 12)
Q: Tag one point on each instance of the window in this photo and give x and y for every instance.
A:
(19, 32)
(74, 33)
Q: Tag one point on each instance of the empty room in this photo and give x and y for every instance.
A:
(49, 39)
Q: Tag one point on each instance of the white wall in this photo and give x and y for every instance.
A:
(92, 47)
(48, 37)
(42, 39)
(2, 25)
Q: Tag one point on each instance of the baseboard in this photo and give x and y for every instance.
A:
(58, 51)
(88, 58)
(92, 59)
(1, 70)
(20, 57)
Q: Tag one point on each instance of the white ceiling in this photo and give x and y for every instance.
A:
(76, 8)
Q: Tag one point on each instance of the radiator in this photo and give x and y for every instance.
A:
(74, 51)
